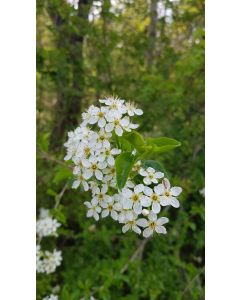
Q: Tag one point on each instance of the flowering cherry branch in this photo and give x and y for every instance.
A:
(111, 160)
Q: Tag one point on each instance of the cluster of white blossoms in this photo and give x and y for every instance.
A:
(93, 148)
(51, 297)
(46, 225)
(47, 261)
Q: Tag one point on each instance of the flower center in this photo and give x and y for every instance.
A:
(116, 122)
(110, 207)
(101, 114)
(100, 196)
(154, 197)
(152, 225)
(151, 176)
(135, 197)
(94, 167)
(167, 194)
(107, 152)
(87, 150)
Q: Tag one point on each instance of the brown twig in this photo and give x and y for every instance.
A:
(137, 253)
(60, 195)
(50, 157)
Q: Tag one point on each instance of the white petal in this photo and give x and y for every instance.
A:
(147, 232)
(109, 127)
(88, 204)
(138, 112)
(162, 221)
(175, 191)
(156, 207)
(118, 130)
(86, 163)
(104, 188)
(93, 120)
(85, 186)
(101, 122)
(87, 173)
(111, 161)
(166, 183)
(76, 184)
(136, 229)
(105, 213)
(89, 213)
(147, 181)
(159, 174)
(127, 203)
(142, 222)
(139, 188)
(148, 191)
(98, 175)
(150, 170)
(143, 172)
(174, 202)
(125, 228)
(102, 165)
(164, 201)
(114, 215)
(137, 207)
(159, 189)
(152, 216)
(96, 216)
(161, 229)
(124, 122)
(146, 201)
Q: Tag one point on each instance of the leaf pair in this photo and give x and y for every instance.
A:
(125, 161)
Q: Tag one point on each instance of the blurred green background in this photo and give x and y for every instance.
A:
(150, 52)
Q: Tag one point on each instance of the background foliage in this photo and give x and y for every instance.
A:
(150, 52)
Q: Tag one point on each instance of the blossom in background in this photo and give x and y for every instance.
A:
(202, 192)
(51, 297)
(133, 110)
(153, 224)
(169, 194)
(150, 175)
(47, 227)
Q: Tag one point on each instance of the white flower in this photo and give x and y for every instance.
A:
(111, 209)
(44, 213)
(169, 194)
(132, 224)
(51, 297)
(137, 166)
(110, 173)
(108, 155)
(116, 106)
(134, 199)
(52, 260)
(100, 195)
(93, 209)
(47, 227)
(80, 180)
(132, 110)
(154, 196)
(202, 192)
(117, 124)
(102, 140)
(93, 167)
(86, 116)
(98, 116)
(39, 262)
(152, 224)
(150, 175)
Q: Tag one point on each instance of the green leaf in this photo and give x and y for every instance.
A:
(124, 163)
(135, 139)
(63, 174)
(153, 164)
(163, 144)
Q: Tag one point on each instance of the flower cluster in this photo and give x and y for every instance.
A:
(93, 148)
(51, 297)
(47, 261)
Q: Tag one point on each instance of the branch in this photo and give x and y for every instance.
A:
(60, 195)
(137, 252)
(50, 157)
